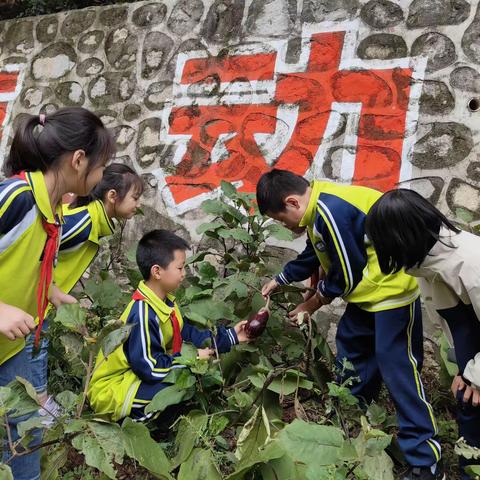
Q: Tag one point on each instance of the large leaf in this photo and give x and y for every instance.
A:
(101, 444)
(379, 467)
(279, 232)
(287, 384)
(140, 446)
(190, 428)
(208, 309)
(200, 465)
(171, 395)
(72, 317)
(254, 435)
(104, 293)
(210, 226)
(114, 339)
(5, 472)
(228, 189)
(54, 459)
(235, 233)
(312, 444)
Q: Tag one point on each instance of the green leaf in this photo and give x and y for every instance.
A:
(311, 444)
(228, 189)
(287, 384)
(188, 354)
(171, 395)
(254, 435)
(207, 271)
(237, 287)
(471, 469)
(217, 424)
(67, 399)
(181, 377)
(54, 459)
(379, 467)
(190, 429)
(279, 232)
(376, 414)
(73, 346)
(15, 399)
(101, 444)
(104, 293)
(30, 389)
(72, 317)
(5, 472)
(209, 227)
(198, 257)
(30, 424)
(114, 339)
(208, 309)
(140, 446)
(200, 465)
(236, 233)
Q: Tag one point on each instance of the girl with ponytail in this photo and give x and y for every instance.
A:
(50, 155)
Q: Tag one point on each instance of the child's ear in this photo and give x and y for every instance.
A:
(156, 272)
(111, 196)
(79, 160)
(292, 202)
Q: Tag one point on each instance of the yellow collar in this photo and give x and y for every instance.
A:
(309, 215)
(161, 308)
(36, 181)
(105, 224)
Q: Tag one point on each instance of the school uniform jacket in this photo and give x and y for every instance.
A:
(335, 223)
(82, 230)
(450, 274)
(23, 206)
(146, 356)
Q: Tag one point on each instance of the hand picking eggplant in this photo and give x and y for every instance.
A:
(257, 324)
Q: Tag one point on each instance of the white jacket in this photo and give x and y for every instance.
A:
(448, 275)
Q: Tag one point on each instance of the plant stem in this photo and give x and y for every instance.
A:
(87, 383)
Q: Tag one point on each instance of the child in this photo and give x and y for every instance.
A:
(124, 383)
(408, 232)
(49, 156)
(380, 332)
(85, 222)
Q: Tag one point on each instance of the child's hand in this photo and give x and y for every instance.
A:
(205, 353)
(469, 392)
(240, 331)
(14, 322)
(59, 298)
(310, 306)
(269, 288)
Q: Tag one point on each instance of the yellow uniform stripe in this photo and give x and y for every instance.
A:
(418, 381)
(337, 248)
(12, 197)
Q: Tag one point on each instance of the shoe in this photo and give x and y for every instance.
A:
(425, 473)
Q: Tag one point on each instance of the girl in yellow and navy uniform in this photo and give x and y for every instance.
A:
(90, 218)
(49, 156)
(380, 332)
(85, 223)
(125, 382)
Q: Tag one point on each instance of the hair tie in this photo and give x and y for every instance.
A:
(41, 119)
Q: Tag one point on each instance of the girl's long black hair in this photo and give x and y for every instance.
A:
(40, 141)
(116, 176)
(403, 227)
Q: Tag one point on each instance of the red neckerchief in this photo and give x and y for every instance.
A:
(46, 269)
(177, 334)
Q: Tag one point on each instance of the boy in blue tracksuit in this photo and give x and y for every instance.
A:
(380, 332)
(125, 382)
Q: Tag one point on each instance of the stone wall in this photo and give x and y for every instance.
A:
(370, 92)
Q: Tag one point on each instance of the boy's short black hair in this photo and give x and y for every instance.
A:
(158, 248)
(274, 186)
(403, 227)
